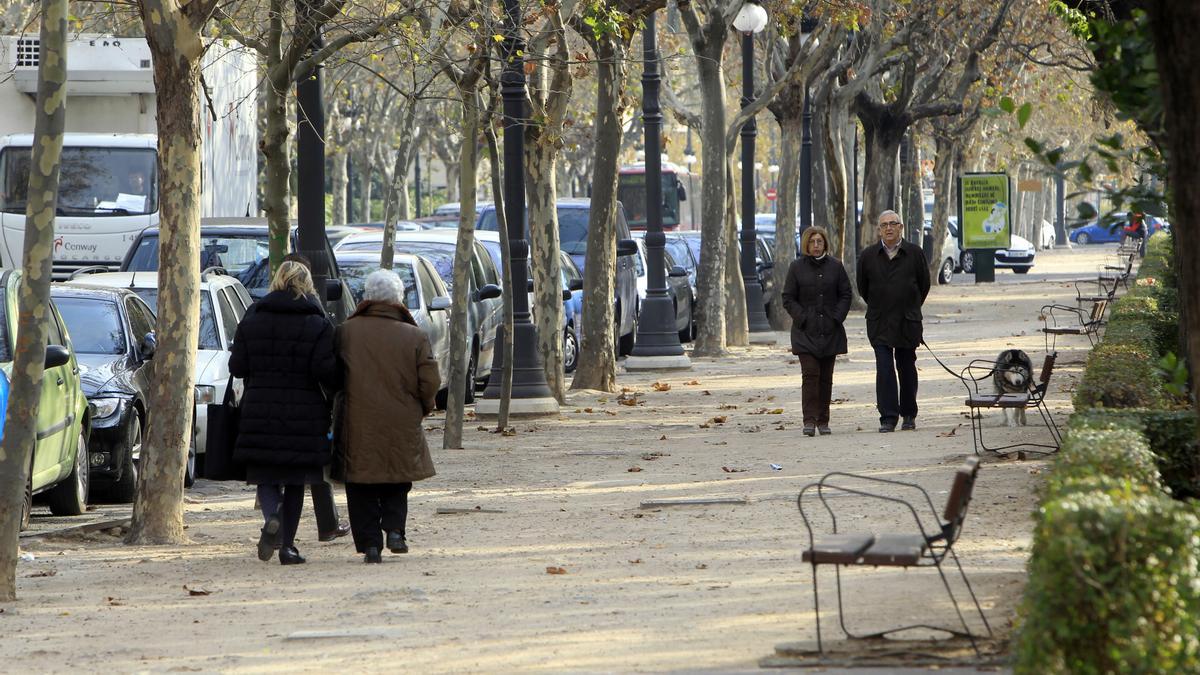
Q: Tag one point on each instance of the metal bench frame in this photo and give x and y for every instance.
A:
(1035, 397)
(1087, 322)
(938, 545)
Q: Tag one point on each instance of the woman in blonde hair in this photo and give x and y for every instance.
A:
(817, 296)
(284, 352)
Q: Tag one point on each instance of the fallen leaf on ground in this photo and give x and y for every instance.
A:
(630, 400)
(727, 406)
(661, 386)
(198, 590)
(701, 566)
(511, 431)
(839, 400)
(481, 428)
(707, 392)
(692, 383)
(556, 570)
(587, 410)
(952, 432)
(706, 425)
(651, 456)
(719, 419)
(602, 399)
(610, 413)
(663, 437)
(114, 602)
(727, 469)
(634, 469)
(635, 562)
(42, 573)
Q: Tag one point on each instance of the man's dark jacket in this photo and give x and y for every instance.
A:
(894, 290)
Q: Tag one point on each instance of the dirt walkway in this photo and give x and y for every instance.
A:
(712, 587)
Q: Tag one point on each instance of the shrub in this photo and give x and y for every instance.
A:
(1119, 376)
(1114, 587)
(1170, 434)
(1095, 448)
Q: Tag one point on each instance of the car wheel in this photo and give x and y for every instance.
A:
(946, 273)
(570, 349)
(125, 489)
(472, 368)
(689, 331)
(69, 498)
(441, 399)
(625, 344)
(968, 262)
(189, 473)
(1083, 239)
(1022, 270)
(27, 504)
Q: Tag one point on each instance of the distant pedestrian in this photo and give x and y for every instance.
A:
(893, 278)
(1135, 228)
(284, 352)
(817, 296)
(391, 381)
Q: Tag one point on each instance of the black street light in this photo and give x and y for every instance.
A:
(750, 19)
(530, 393)
(657, 344)
(310, 168)
(806, 164)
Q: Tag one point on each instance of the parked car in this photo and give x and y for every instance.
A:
(483, 313)
(425, 296)
(1097, 233)
(454, 208)
(572, 285)
(573, 215)
(763, 263)
(241, 249)
(678, 288)
(1018, 257)
(59, 471)
(223, 303)
(113, 344)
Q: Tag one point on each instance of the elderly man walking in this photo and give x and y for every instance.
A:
(893, 278)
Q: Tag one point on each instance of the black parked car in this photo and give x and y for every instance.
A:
(112, 331)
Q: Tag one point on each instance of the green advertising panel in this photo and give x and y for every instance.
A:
(984, 211)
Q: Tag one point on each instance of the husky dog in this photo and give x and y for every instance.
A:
(1012, 375)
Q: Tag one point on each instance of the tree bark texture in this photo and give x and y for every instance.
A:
(785, 214)
(338, 179)
(711, 277)
(910, 183)
(945, 171)
(277, 160)
(737, 319)
(460, 347)
(882, 135)
(175, 48)
(506, 345)
(598, 347)
(20, 425)
(1177, 52)
(396, 199)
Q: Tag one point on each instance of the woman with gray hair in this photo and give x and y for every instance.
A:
(391, 380)
(284, 352)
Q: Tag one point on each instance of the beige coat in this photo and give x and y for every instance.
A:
(391, 381)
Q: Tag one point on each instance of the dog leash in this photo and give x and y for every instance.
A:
(935, 358)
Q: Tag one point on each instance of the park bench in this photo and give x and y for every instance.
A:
(1095, 290)
(981, 371)
(915, 547)
(1086, 322)
(1120, 272)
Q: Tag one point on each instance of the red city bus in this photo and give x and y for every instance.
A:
(680, 193)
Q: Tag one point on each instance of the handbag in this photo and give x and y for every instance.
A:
(223, 421)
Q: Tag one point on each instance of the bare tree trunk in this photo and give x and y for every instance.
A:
(277, 161)
(944, 200)
(597, 355)
(175, 47)
(711, 277)
(338, 182)
(785, 215)
(506, 345)
(879, 177)
(459, 347)
(737, 319)
(910, 183)
(396, 198)
(366, 171)
(20, 426)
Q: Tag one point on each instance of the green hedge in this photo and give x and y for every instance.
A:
(1119, 376)
(1117, 453)
(1113, 587)
(1170, 434)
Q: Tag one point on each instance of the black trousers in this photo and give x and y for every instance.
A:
(287, 502)
(816, 387)
(324, 507)
(374, 509)
(895, 383)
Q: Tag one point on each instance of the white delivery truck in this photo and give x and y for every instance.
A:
(108, 187)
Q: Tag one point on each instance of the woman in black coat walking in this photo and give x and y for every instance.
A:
(817, 296)
(284, 352)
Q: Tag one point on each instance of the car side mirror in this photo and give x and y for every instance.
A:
(440, 303)
(333, 289)
(57, 355)
(626, 247)
(677, 271)
(575, 284)
(566, 294)
(489, 291)
(147, 346)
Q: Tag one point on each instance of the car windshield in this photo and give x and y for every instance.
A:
(693, 243)
(94, 325)
(209, 338)
(93, 182)
(441, 255)
(245, 257)
(573, 230)
(355, 273)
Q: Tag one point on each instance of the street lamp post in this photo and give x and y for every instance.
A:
(530, 393)
(751, 19)
(806, 164)
(656, 346)
(310, 167)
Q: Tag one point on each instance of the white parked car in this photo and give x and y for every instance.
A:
(223, 302)
(1018, 257)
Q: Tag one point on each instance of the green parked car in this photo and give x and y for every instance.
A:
(60, 457)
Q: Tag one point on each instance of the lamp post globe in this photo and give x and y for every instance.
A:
(751, 19)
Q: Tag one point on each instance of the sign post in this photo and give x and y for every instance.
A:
(985, 220)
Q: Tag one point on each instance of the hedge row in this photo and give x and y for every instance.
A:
(1114, 578)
